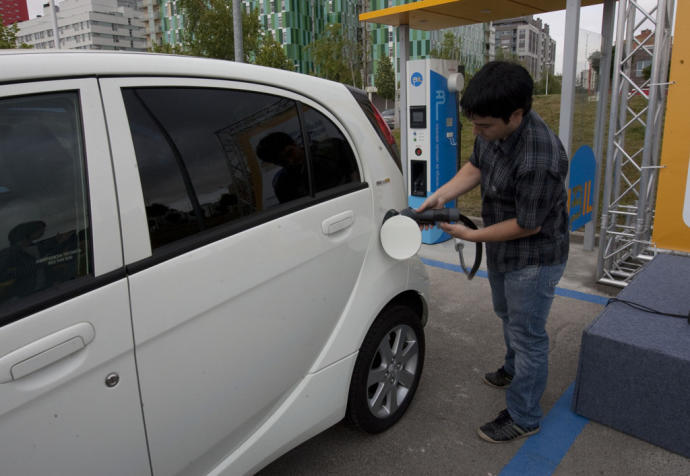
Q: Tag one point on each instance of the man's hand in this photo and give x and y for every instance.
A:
(457, 230)
(434, 201)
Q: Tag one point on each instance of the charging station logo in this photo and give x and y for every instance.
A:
(416, 79)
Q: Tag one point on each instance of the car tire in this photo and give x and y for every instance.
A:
(387, 370)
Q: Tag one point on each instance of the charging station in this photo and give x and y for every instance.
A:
(433, 138)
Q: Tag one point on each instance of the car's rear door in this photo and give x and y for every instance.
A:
(239, 272)
(69, 399)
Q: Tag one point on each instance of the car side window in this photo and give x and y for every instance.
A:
(44, 214)
(211, 156)
(333, 162)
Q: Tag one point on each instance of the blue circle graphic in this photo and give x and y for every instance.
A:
(416, 79)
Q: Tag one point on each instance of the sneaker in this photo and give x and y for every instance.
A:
(498, 379)
(503, 429)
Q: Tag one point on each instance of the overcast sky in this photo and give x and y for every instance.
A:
(590, 20)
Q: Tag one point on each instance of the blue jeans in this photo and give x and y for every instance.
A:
(522, 299)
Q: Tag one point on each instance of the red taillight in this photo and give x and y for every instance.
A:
(385, 130)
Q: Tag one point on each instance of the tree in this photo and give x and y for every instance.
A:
(169, 49)
(209, 30)
(271, 53)
(449, 48)
(335, 57)
(554, 84)
(647, 72)
(385, 78)
(595, 61)
(506, 54)
(8, 36)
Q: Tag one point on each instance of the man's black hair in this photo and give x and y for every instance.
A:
(270, 147)
(497, 90)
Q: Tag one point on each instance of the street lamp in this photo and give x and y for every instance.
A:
(548, 71)
(547, 78)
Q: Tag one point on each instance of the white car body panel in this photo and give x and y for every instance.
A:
(228, 379)
(61, 418)
(247, 291)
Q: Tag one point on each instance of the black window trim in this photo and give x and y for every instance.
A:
(211, 235)
(57, 294)
(69, 290)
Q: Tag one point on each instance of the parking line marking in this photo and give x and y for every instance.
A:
(569, 293)
(542, 453)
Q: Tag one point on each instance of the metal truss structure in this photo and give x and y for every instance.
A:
(631, 175)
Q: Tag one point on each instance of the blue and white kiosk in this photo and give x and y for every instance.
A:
(433, 138)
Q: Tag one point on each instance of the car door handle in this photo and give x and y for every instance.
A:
(45, 351)
(338, 222)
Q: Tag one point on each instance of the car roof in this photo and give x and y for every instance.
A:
(28, 65)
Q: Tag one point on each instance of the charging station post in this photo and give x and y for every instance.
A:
(433, 138)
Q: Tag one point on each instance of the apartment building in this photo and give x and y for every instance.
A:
(88, 24)
(13, 11)
(528, 40)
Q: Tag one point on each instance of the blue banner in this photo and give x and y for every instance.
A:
(581, 187)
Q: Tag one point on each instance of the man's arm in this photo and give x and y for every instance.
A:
(465, 180)
(502, 231)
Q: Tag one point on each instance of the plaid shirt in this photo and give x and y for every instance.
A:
(523, 177)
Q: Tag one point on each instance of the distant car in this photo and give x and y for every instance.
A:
(389, 116)
(191, 275)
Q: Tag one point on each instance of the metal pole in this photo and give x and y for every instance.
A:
(547, 80)
(648, 175)
(56, 32)
(613, 126)
(572, 26)
(237, 30)
(607, 22)
(404, 40)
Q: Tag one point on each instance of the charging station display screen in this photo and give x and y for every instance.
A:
(418, 117)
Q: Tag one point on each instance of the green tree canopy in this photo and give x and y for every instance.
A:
(209, 29)
(506, 54)
(335, 57)
(449, 48)
(595, 61)
(8, 36)
(271, 53)
(385, 78)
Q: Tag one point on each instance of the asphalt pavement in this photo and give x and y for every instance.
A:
(437, 436)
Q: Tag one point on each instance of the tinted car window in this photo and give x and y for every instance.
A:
(333, 162)
(211, 156)
(44, 222)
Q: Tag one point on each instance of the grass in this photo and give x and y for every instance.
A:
(584, 119)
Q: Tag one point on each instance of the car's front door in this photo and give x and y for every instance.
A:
(239, 269)
(69, 397)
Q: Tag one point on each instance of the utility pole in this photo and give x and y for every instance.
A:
(237, 30)
(56, 31)
(313, 31)
(365, 49)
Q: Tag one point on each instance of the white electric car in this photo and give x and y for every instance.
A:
(191, 276)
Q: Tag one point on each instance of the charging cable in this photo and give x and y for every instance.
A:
(642, 307)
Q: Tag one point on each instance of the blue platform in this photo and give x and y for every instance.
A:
(634, 367)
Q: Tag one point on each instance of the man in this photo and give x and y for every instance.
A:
(521, 166)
